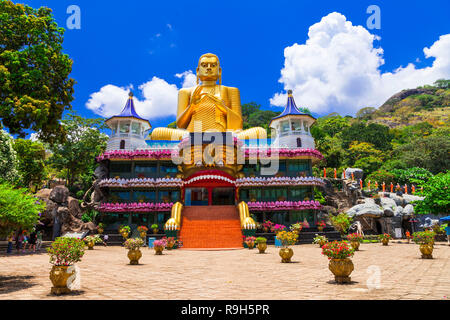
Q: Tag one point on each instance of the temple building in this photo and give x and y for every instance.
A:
(209, 181)
(209, 206)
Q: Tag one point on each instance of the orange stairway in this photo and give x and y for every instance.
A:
(209, 227)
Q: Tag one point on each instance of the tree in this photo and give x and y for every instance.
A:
(365, 113)
(35, 88)
(18, 209)
(331, 124)
(416, 176)
(437, 195)
(431, 153)
(442, 83)
(76, 156)
(373, 133)
(364, 155)
(31, 156)
(8, 159)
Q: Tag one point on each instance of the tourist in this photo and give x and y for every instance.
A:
(24, 240)
(32, 240)
(38, 240)
(10, 242)
(447, 231)
(105, 239)
(19, 241)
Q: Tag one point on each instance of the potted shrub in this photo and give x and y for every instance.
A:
(142, 231)
(101, 227)
(133, 245)
(341, 222)
(267, 226)
(425, 240)
(355, 240)
(384, 238)
(321, 225)
(339, 253)
(278, 228)
(92, 240)
(296, 227)
(250, 242)
(261, 244)
(320, 240)
(155, 228)
(64, 253)
(287, 239)
(125, 231)
(159, 246)
(170, 242)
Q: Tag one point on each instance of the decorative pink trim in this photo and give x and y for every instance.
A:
(284, 205)
(135, 207)
(279, 181)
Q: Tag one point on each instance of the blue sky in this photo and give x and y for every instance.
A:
(129, 43)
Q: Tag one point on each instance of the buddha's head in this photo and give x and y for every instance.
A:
(208, 68)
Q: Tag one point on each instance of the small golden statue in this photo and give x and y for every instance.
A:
(208, 106)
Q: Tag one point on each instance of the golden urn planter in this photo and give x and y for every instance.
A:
(427, 251)
(262, 246)
(91, 245)
(100, 230)
(124, 235)
(250, 245)
(143, 235)
(355, 245)
(158, 250)
(170, 245)
(134, 256)
(320, 228)
(155, 231)
(341, 268)
(385, 242)
(59, 276)
(286, 254)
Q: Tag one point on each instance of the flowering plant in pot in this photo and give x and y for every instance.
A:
(296, 227)
(320, 240)
(287, 239)
(170, 242)
(321, 225)
(125, 231)
(92, 240)
(64, 253)
(384, 238)
(155, 228)
(278, 227)
(142, 231)
(250, 242)
(355, 240)
(261, 244)
(339, 253)
(267, 225)
(159, 246)
(425, 240)
(101, 227)
(133, 245)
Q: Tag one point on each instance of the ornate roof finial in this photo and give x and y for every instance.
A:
(130, 94)
(289, 92)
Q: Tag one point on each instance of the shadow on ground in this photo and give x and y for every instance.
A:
(10, 284)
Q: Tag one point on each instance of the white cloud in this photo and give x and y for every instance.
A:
(159, 98)
(189, 79)
(337, 69)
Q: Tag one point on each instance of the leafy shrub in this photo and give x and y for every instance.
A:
(133, 244)
(287, 238)
(437, 195)
(66, 251)
(417, 176)
(260, 240)
(337, 250)
(424, 237)
(355, 237)
(382, 176)
(342, 222)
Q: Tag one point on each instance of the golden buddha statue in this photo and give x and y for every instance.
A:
(208, 106)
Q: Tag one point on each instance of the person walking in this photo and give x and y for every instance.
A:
(38, 240)
(10, 243)
(19, 241)
(447, 231)
(24, 241)
(32, 240)
(105, 239)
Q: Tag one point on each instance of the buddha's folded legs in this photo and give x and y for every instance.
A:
(168, 134)
(253, 133)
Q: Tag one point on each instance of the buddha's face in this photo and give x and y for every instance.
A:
(208, 69)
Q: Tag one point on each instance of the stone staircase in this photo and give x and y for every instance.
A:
(211, 227)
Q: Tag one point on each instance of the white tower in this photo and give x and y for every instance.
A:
(128, 129)
(292, 127)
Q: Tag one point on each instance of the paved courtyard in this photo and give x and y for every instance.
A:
(236, 274)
